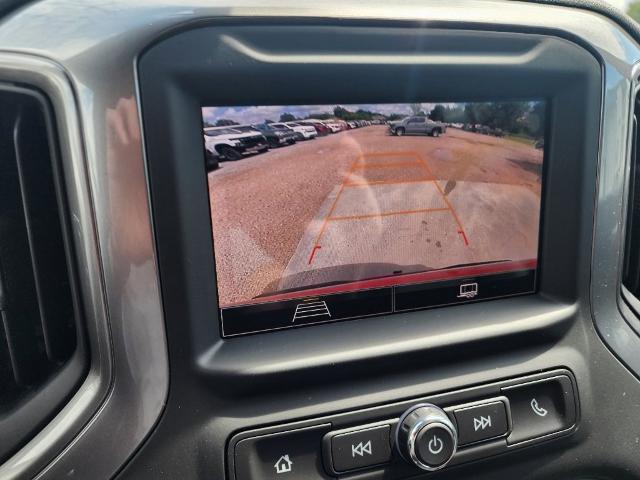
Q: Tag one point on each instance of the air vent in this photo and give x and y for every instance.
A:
(41, 350)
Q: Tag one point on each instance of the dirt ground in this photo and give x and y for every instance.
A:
(361, 203)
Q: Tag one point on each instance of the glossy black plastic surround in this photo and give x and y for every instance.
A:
(222, 386)
(272, 316)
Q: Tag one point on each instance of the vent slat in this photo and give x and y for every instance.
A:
(42, 354)
(631, 267)
(45, 239)
(8, 378)
(23, 329)
(38, 329)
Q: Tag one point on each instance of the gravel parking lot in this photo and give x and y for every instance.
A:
(362, 203)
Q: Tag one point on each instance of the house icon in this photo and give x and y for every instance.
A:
(283, 465)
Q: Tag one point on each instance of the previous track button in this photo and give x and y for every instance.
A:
(362, 448)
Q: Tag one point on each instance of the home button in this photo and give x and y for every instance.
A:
(290, 455)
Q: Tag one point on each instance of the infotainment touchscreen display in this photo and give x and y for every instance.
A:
(323, 213)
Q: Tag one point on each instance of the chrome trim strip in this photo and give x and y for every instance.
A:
(413, 59)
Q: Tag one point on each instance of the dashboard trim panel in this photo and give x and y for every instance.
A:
(75, 63)
(103, 400)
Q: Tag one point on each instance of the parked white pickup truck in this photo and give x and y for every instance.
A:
(306, 132)
(227, 143)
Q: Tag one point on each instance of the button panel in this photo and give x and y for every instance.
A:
(486, 420)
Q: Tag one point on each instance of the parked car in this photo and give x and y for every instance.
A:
(231, 144)
(417, 126)
(307, 132)
(283, 127)
(343, 125)
(320, 127)
(334, 126)
(276, 137)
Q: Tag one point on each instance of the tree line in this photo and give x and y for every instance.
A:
(511, 117)
(338, 112)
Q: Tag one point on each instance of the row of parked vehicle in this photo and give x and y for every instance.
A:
(235, 141)
(483, 129)
(494, 132)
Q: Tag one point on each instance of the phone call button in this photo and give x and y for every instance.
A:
(540, 408)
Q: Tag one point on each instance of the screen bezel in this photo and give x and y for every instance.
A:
(173, 93)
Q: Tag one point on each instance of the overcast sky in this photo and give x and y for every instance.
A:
(260, 114)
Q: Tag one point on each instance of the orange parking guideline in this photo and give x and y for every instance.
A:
(344, 184)
(387, 214)
(387, 182)
(444, 197)
(360, 166)
(313, 253)
(316, 244)
(386, 154)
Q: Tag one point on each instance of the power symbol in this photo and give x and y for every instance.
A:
(435, 445)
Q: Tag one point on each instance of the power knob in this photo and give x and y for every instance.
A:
(426, 437)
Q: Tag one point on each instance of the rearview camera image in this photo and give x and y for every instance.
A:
(327, 212)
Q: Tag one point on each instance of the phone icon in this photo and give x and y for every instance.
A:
(537, 409)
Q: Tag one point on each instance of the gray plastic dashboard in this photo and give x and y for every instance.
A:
(165, 393)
